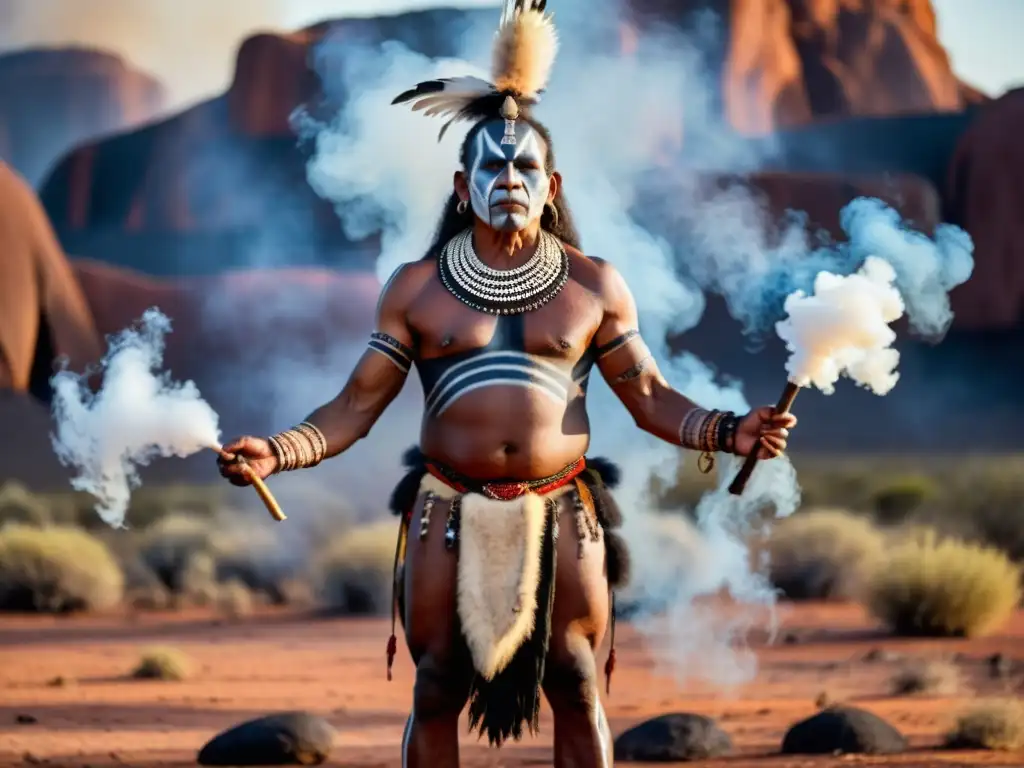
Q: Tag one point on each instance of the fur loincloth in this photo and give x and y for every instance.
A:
(507, 558)
(499, 570)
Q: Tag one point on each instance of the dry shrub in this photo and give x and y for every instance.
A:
(154, 597)
(935, 678)
(56, 569)
(192, 554)
(930, 586)
(149, 504)
(19, 505)
(896, 499)
(996, 724)
(235, 600)
(163, 664)
(822, 554)
(170, 544)
(353, 573)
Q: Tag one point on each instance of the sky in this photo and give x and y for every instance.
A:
(980, 35)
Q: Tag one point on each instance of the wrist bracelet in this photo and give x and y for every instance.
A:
(710, 432)
(302, 446)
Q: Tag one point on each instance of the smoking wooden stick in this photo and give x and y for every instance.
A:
(740, 481)
(257, 482)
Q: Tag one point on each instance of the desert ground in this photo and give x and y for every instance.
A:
(67, 698)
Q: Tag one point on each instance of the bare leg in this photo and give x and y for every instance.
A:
(443, 666)
(571, 680)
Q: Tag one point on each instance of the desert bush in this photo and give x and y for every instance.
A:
(934, 677)
(19, 505)
(163, 664)
(150, 504)
(170, 544)
(191, 554)
(198, 582)
(155, 597)
(352, 574)
(996, 724)
(895, 500)
(56, 569)
(235, 600)
(932, 586)
(822, 554)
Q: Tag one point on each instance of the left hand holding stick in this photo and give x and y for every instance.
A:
(765, 430)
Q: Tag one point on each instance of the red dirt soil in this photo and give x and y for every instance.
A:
(277, 661)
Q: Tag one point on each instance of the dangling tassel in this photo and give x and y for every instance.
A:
(609, 666)
(392, 650)
(403, 528)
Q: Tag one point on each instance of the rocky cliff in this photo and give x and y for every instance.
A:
(53, 99)
(43, 312)
(784, 63)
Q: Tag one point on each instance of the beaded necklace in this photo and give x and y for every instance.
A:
(504, 291)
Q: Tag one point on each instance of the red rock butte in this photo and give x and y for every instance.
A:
(787, 62)
(53, 99)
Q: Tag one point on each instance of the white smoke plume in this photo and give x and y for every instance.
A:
(756, 263)
(843, 329)
(138, 414)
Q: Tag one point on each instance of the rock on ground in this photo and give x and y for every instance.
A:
(845, 730)
(672, 738)
(288, 738)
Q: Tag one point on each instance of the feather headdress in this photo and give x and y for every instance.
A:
(525, 47)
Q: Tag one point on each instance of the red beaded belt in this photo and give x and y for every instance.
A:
(506, 491)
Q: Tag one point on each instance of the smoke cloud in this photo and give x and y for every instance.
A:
(843, 328)
(735, 250)
(138, 415)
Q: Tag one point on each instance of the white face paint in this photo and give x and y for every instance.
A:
(508, 185)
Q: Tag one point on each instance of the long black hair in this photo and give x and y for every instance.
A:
(559, 224)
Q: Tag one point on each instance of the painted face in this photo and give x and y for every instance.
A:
(507, 182)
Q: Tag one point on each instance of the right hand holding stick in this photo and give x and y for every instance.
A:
(258, 455)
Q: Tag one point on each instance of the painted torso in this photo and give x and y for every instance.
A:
(505, 395)
(505, 361)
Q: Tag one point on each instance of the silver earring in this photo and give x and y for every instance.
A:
(461, 207)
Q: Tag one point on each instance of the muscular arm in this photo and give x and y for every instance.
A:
(379, 375)
(626, 364)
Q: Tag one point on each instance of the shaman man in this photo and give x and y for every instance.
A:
(507, 552)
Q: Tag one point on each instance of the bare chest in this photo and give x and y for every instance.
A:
(550, 347)
(560, 331)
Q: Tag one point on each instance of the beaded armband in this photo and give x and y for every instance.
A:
(392, 349)
(301, 446)
(709, 432)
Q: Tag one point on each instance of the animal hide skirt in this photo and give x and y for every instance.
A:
(505, 537)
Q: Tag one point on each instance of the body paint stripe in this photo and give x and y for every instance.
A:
(525, 383)
(520, 359)
(492, 374)
(400, 362)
